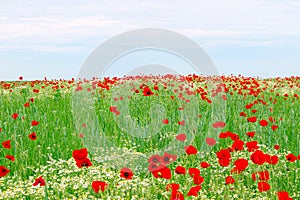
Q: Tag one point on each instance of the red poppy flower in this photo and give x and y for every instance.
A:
(291, 157)
(10, 157)
(168, 158)
(165, 121)
(194, 172)
(251, 134)
(258, 157)
(15, 115)
(34, 123)
(165, 173)
(0, 129)
(190, 150)
(283, 195)
(147, 91)
(79, 88)
(113, 109)
(263, 186)
(233, 136)
(3, 171)
(180, 170)
(229, 180)
(21, 78)
(252, 145)
(35, 90)
(194, 191)
(155, 159)
(162, 172)
(126, 173)
(241, 164)
(26, 105)
(39, 181)
(210, 141)
(238, 145)
(6, 144)
(224, 135)
(181, 137)
(99, 185)
(274, 127)
(252, 119)
(248, 106)
(224, 162)
(204, 164)
(181, 123)
(80, 154)
(83, 163)
(264, 122)
(32, 136)
(243, 114)
(219, 124)
(223, 154)
(154, 167)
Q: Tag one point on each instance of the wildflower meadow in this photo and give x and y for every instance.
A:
(150, 137)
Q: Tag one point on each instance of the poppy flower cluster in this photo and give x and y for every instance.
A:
(158, 165)
(114, 110)
(257, 157)
(193, 191)
(176, 195)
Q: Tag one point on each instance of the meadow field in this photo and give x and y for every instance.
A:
(150, 137)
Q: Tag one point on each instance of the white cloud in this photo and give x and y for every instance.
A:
(55, 22)
(51, 28)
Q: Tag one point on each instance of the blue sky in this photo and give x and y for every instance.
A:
(53, 38)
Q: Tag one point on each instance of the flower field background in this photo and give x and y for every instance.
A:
(253, 155)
